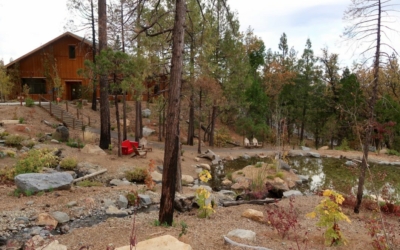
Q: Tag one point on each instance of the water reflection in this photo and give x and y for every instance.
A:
(334, 174)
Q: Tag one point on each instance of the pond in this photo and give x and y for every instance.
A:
(332, 173)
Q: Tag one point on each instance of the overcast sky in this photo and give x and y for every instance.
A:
(28, 24)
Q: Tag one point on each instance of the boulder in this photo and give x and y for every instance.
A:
(122, 202)
(315, 155)
(205, 166)
(146, 112)
(165, 242)
(53, 245)
(290, 193)
(188, 179)
(253, 214)
(112, 210)
(118, 182)
(243, 234)
(324, 148)
(156, 176)
(93, 149)
(61, 217)
(61, 134)
(277, 186)
(147, 131)
(305, 148)
(284, 165)
(45, 219)
(145, 200)
(35, 182)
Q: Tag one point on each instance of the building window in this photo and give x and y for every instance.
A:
(71, 50)
(36, 85)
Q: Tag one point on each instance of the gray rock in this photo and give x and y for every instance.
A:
(118, 182)
(350, 163)
(112, 210)
(61, 217)
(72, 204)
(61, 134)
(305, 148)
(315, 155)
(284, 165)
(122, 202)
(303, 178)
(147, 131)
(146, 112)
(108, 203)
(289, 193)
(246, 156)
(243, 234)
(157, 177)
(145, 200)
(42, 182)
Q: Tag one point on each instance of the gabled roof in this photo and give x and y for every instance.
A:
(48, 43)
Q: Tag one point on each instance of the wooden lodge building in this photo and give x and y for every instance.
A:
(62, 56)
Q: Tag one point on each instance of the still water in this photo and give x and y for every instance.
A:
(334, 174)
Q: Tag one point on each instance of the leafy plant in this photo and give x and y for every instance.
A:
(283, 220)
(68, 163)
(133, 198)
(14, 140)
(29, 102)
(330, 213)
(280, 175)
(184, 227)
(35, 160)
(205, 207)
(88, 183)
(392, 152)
(136, 175)
(21, 120)
(75, 143)
(382, 238)
(204, 176)
(4, 134)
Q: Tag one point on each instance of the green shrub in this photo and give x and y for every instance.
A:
(14, 140)
(88, 183)
(258, 165)
(136, 175)
(132, 197)
(344, 145)
(29, 102)
(21, 120)
(75, 143)
(35, 160)
(28, 143)
(280, 175)
(68, 163)
(392, 152)
(4, 134)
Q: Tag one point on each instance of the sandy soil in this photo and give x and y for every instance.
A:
(202, 233)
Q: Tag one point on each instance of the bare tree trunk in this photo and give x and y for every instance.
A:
(125, 134)
(140, 120)
(137, 121)
(190, 135)
(105, 135)
(160, 126)
(213, 118)
(94, 95)
(118, 124)
(171, 155)
(199, 146)
(371, 104)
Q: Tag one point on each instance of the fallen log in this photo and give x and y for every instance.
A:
(89, 175)
(209, 155)
(233, 143)
(229, 241)
(255, 202)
